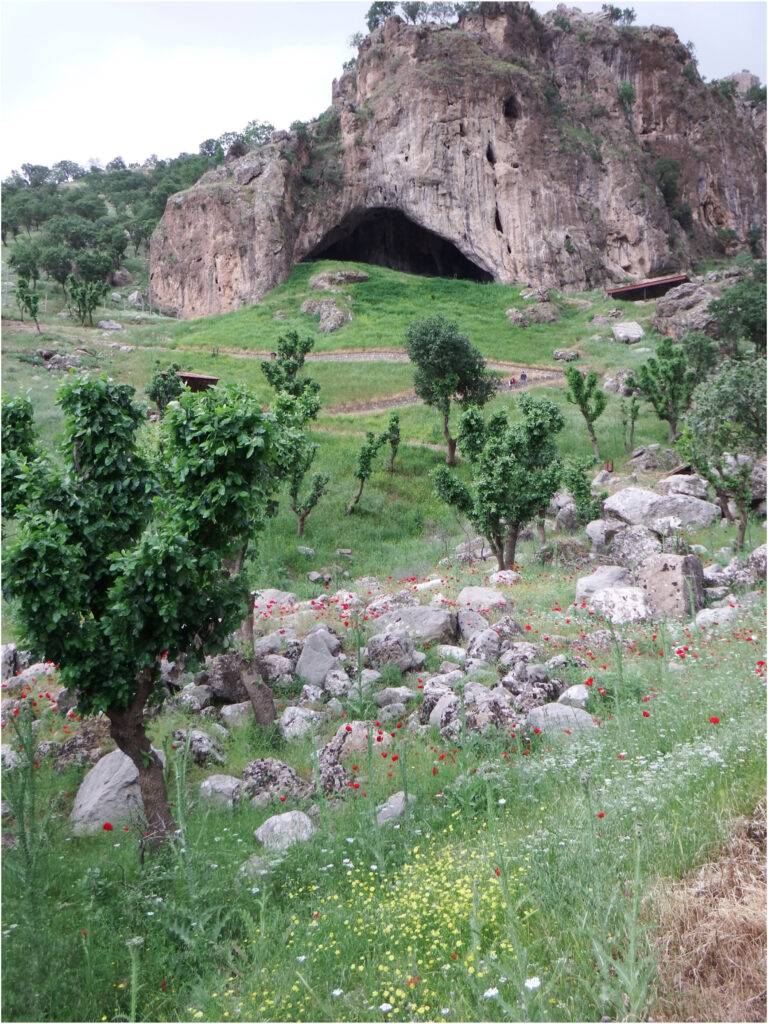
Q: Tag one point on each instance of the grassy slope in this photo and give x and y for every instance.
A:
(505, 872)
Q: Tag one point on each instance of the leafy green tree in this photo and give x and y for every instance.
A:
(67, 170)
(391, 436)
(121, 559)
(378, 13)
(93, 265)
(414, 11)
(258, 133)
(297, 403)
(364, 466)
(84, 202)
(165, 387)
(56, 261)
(585, 393)
(725, 433)
(589, 506)
(36, 174)
(666, 381)
(614, 13)
(629, 412)
(25, 260)
(283, 371)
(20, 449)
(85, 296)
(741, 312)
(628, 16)
(27, 300)
(448, 368)
(515, 471)
(701, 353)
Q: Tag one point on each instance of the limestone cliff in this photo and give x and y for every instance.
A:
(496, 149)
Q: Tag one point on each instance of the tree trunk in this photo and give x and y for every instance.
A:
(510, 545)
(672, 429)
(127, 730)
(351, 508)
(593, 439)
(300, 528)
(722, 500)
(450, 458)
(743, 516)
(541, 533)
(262, 701)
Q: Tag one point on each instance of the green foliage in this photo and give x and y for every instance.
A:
(613, 12)
(563, 23)
(701, 353)
(447, 367)
(588, 505)
(725, 238)
(627, 96)
(391, 436)
(20, 451)
(724, 88)
(666, 381)
(584, 391)
(756, 94)
(25, 260)
(85, 297)
(165, 387)
(378, 13)
(741, 312)
(725, 431)
(515, 471)
(364, 465)
(27, 300)
(667, 174)
(282, 373)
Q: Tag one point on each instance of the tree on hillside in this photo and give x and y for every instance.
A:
(725, 433)
(741, 312)
(119, 560)
(296, 404)
(165, 387)
(378, 13)
(448, 368)
(25, 260)
(586, 393)
(56, 261)
(666, 381)
(515, 471)
(364, 465)
(27, 300)
(84, 297)
(391, 436)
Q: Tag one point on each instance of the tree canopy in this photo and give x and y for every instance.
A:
(121, 557)
(447, 368)
(515, 471)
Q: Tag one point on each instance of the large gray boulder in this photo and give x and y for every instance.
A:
(633, 545)
(426, 625)
(691, 484)
(674, 584)
(221, 789)
(281, 831)
(560, 719)
(394, 808)
(389, 602)
(485, 645)
(470, 622)
(604, 576)
(394, 647)
(296, 721)
(316, 661)
(204, 748)
(266, 779)
(109, 793)
(640, 505)
(481, 599)
(621, 604)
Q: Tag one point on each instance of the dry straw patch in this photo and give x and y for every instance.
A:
(712, 939)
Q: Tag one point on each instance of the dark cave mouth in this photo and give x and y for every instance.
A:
(387, 238)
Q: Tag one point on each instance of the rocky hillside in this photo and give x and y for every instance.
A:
(506, 147)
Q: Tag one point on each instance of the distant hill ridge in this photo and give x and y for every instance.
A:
(563, 151)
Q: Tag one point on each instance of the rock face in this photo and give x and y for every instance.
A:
(495, 149)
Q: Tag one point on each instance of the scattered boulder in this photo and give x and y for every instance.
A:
(332, 280)
(517, 318)
(281, 831)
(221, 789)
(315, 661)
(331, 317)
(691, 484)
(627, 332)
(225, 677)
(674, 584)
(337, 683)
(481, 598)
(394, 808)
(684, 309)
(266, 779)
(395, 647)
(639, 505)
(558, 719)
(195, 698)
(602, 577)
(426, 625)
(110, 325)
(566, 355)
(469, 622)
(236, 714)
(617, 384)
(575, 696)
(297, 721)
(621, 604)
(390, 602)
(203, 747)
(393, 695)
(484, 645)
(633, 545)
(108, 793)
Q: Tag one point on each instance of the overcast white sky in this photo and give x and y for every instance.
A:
(95, 80)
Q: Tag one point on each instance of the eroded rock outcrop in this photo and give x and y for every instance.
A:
(496, 149)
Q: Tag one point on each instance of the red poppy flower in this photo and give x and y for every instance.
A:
(589, 681)
(715, 720)
(497, 872)
(107, 827)
(434, 770)
(646, 714)
(601, 814)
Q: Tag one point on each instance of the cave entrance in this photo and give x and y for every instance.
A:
(387, 238)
